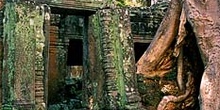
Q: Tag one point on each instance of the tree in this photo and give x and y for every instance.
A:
(203, 17)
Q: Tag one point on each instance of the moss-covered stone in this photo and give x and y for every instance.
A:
(8, 64)
(96, 79)
(1, 51)
(21, 32)
(114, 41)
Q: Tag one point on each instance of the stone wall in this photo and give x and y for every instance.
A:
(144, 23)
(1, 51)
(146, 20)
(109, 47)
(89, 5)
(23, 49)
(114, 74)
(64, 74)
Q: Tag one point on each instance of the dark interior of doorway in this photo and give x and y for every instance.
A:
(75, 52)
(74, 61)
(73, 85)
(65, 58)
(69, 93)
(139, 49)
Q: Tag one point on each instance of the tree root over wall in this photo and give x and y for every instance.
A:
(166, 48)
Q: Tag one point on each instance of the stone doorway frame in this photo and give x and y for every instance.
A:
(68, 10)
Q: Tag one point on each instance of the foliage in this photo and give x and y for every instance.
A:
(133, 3)
(22, 27)
(120, 2)
(25, 45)
(118, 60)
(97, 35)
(9, 41)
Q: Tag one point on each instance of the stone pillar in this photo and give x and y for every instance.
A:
(8, 68)
(57, 63)
(18, 69)
(95, 80)
(41, 30)
(1, 51)
(133, 98)
(23, 47)
(118, 59)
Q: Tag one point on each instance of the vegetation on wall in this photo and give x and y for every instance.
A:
(21, 33)
(113, 73)
(9, 42)
(133, 3)
(25, 50)
(118, 58)
(113, 41)
(96, 100)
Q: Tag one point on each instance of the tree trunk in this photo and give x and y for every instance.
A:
(157, 60)
(204, 18)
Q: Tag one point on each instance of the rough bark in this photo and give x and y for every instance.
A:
(1, 4)
(170, 98)
(157, 60)
(204, 18)
(178, 50)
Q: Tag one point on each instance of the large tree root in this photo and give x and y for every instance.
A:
(203, 16)
(178, 51)
(157, 60)
(176, 99)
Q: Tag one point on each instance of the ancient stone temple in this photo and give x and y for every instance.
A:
(72, 51)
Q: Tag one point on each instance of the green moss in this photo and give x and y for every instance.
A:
(111, 56)
(56, 1)
(97, 35)
(21, 31)
(30, 22)
(172, 75)
(9, 43)
(118, 59)
(120, 2)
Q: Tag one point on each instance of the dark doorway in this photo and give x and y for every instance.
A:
(65, 62)
(139, 49)
(75, 52)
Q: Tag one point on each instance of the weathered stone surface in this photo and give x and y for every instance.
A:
(20, 44)
(95, 82)
(146, 20)
(63, 72)
(1, 51)
(57, 56)
(59, 43)
(39, 94)
(107, 41)
(115, 41)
